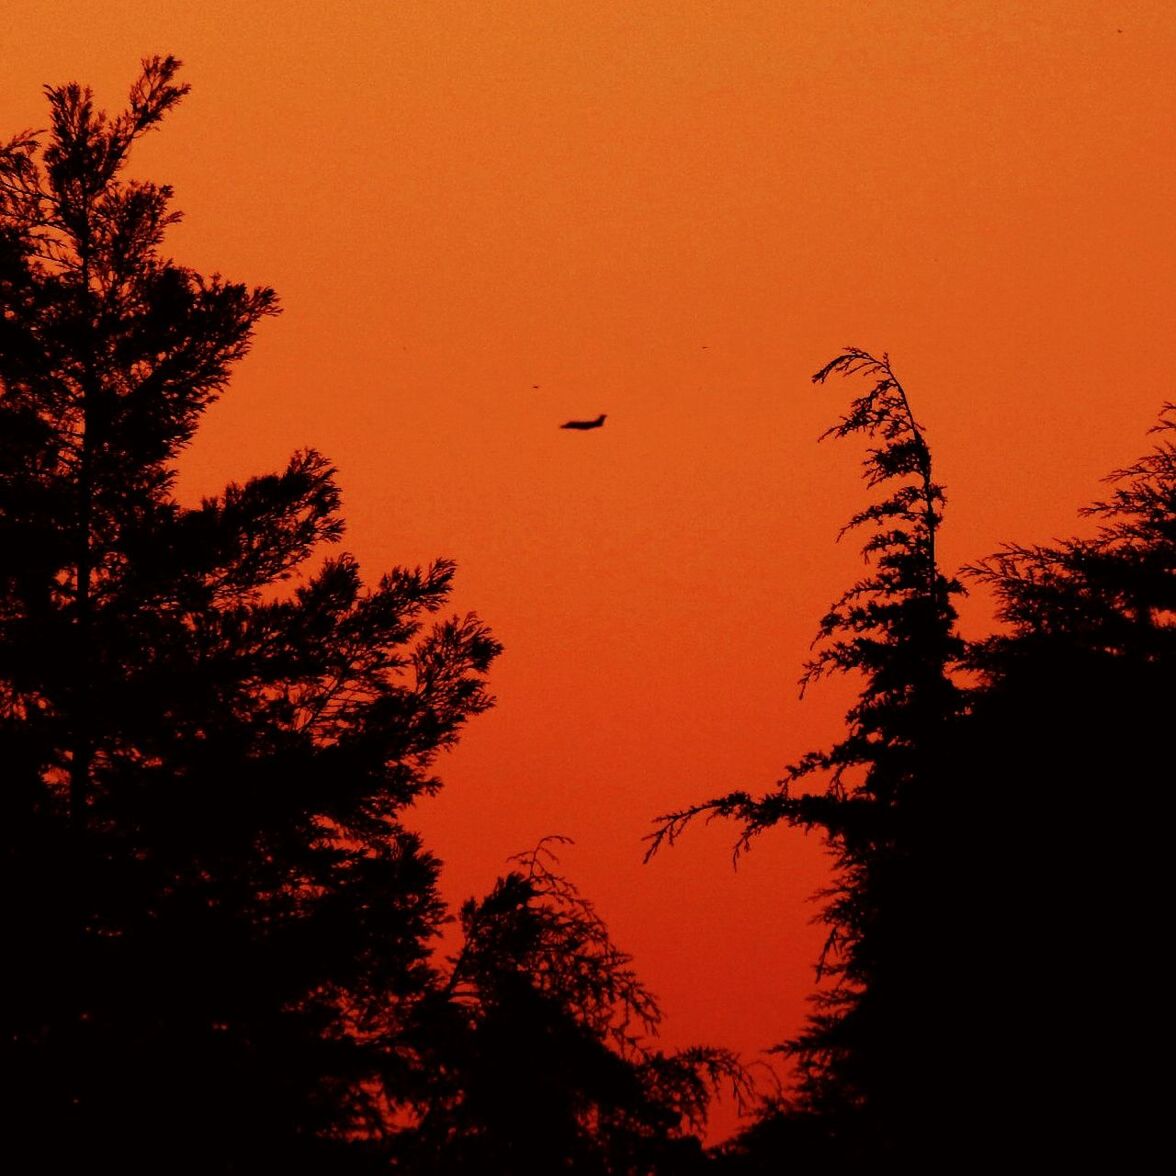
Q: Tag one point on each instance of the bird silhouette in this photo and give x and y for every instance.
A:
(584, 424)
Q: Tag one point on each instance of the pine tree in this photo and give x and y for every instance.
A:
(218, 924)
(1111, 595)
(1069, 729)
(543, 1039)
(862, 1081)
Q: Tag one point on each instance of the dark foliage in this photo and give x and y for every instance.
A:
(1110, 596)
(1073, 725)
(1000, 851)
(865, 1049)
(543, 1038)
(220, 928)
(217, 924)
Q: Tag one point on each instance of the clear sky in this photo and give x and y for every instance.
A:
(672, 213)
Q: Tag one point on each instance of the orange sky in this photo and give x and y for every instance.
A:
(672, 213)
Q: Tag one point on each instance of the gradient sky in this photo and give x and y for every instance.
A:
(672, 213)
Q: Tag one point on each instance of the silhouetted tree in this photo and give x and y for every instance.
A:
(1110, 596)
(1072, 723)
(218, 927)
(542, 1038)
(863, 1059)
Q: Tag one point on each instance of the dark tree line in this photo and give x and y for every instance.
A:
(221, 932)
(992, 815)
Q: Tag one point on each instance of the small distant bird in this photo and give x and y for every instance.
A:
(534, 387)
(585, 424)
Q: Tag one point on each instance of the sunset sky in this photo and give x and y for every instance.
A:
(672, 213)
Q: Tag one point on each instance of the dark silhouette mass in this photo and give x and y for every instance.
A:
(992, 818)
(224, 926)
(860, 1058)
(594, 424)
(1073, 723)
(219, 929)
(549, 1066)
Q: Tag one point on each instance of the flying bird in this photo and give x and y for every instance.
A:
(585, 424)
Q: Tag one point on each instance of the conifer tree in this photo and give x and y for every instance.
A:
(218, 924)
(544, 1043)
(1071, 726)
(1111, 595)
(861, 1076)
